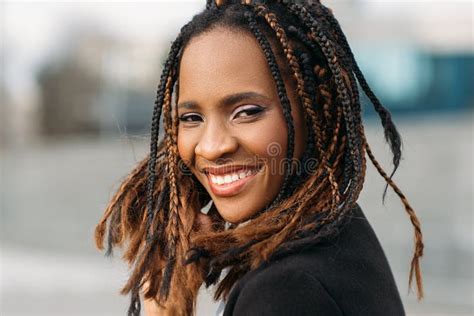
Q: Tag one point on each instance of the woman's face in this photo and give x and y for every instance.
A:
(232, 132)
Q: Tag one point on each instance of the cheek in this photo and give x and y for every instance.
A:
(186, 147)
(267, 139)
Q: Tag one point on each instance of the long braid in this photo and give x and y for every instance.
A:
(309, 41)
(292, 61)
(173, 225)
(392, 135)
(163, 97)
(155, 127)
(310, 147)
(308, 101)
(308, 75)
(325, 95)
(418, 253)
(144, 258)
(394, 139)
(271, 60)
(353, 139)
(113, 239)
(305, 61)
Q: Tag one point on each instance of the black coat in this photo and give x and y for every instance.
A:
(349, 275)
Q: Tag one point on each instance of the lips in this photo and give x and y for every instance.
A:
(232, 181)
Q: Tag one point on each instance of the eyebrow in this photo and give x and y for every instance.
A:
(226, 101)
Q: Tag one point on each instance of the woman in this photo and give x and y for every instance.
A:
(262, 122)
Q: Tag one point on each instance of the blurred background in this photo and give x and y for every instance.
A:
(78, 82)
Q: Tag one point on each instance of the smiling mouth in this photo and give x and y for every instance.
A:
(233, 183)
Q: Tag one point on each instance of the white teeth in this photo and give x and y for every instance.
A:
(229, 178)
(216, 179)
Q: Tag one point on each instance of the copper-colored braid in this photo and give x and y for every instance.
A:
(323, 96)
(292, 61)
(332, 177)
(317, 35)
(172, 230)
(326, 99)
(101, 226)
(306, 99)
(415, 262)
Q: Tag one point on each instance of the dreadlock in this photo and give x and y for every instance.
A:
(154, 210)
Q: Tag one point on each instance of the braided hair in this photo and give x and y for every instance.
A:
(154, 210)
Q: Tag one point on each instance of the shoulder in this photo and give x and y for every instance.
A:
(282, 288)
(347, 275)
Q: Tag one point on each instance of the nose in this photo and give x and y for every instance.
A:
(216, 142)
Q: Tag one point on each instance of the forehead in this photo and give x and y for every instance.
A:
(222, 62)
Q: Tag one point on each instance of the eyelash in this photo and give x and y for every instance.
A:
(184, 117)
(255, 109)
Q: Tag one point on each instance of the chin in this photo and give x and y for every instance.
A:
(231, 218)
(234, 217)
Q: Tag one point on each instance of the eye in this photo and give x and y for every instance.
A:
(249, 111)
(189, 118)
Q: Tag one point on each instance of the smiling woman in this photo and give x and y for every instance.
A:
(235, 118)
(262, 118)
